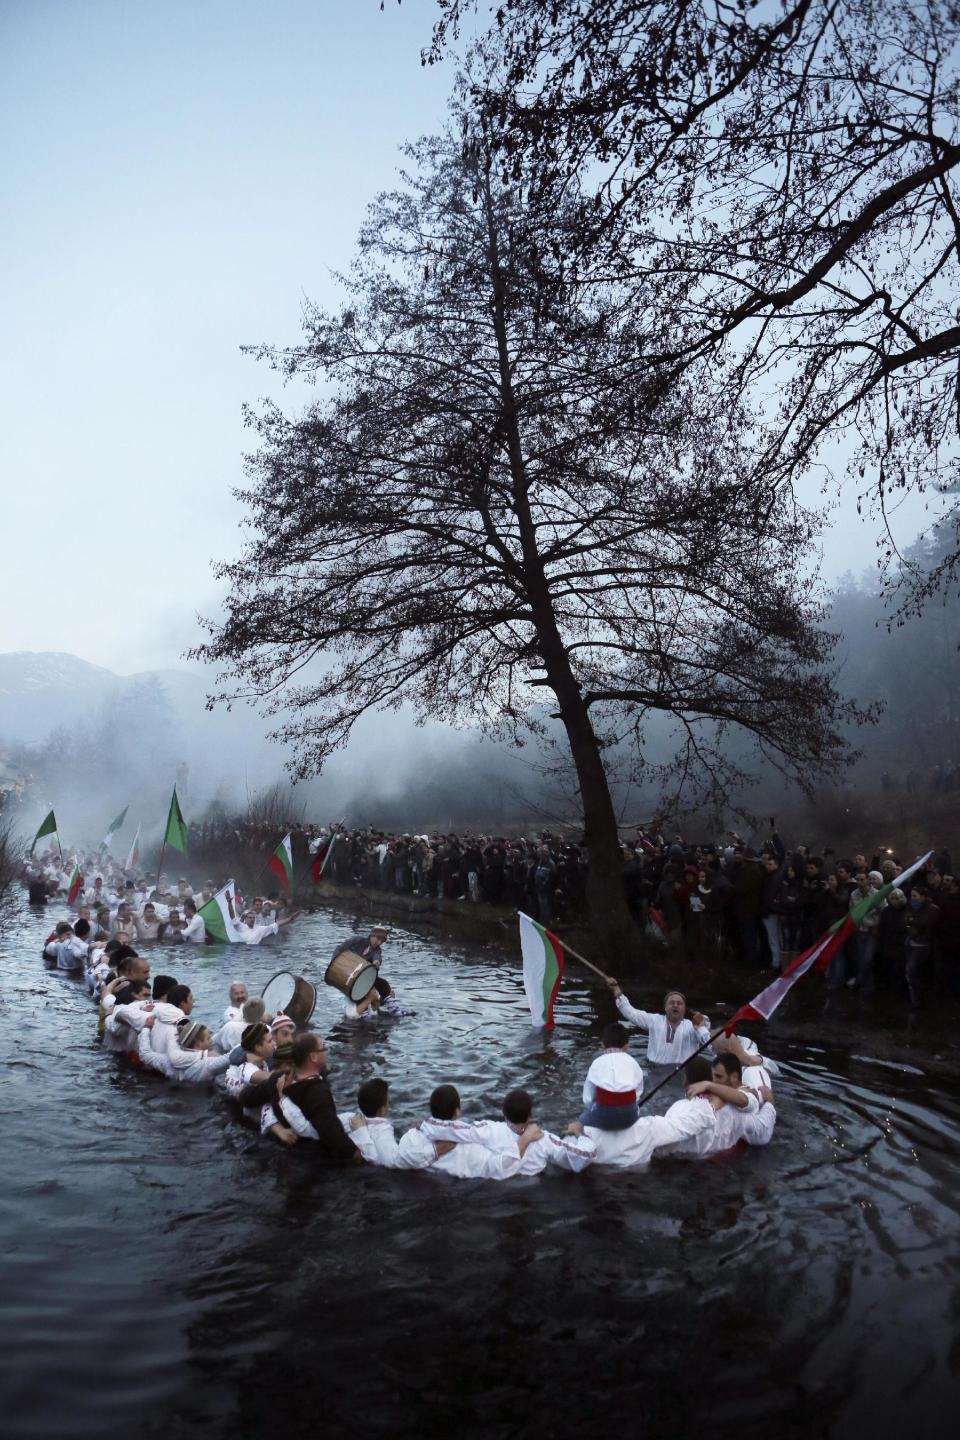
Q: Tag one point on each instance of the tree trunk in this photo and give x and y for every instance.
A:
(609, 912)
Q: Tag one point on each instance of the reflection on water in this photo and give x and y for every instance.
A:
(167, 1272)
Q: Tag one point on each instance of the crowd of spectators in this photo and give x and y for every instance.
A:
(755, 901)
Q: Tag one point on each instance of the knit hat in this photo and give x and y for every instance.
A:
(280, 1020)
(190, 1032)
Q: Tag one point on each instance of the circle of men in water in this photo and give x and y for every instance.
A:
(280, 1078)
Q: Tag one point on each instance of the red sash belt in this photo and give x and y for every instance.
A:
(616, 1097)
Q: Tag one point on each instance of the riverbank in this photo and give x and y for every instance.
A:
(881, 1026)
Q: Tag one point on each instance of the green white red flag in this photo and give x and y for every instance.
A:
(219, 915)
(542, 970)
(133, 857)
(281, 863)
(818, 957)
(320, 860)
(76, 885)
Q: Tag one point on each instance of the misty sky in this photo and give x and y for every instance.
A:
(176, 176)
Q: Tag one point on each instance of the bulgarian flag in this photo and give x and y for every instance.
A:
(76, 885)
(115, 825)
(818, 957)
(47, 827)
(320, 860)
(281, 862)
(133, 858)
(176, 831)
(542, 970)
(219, 915)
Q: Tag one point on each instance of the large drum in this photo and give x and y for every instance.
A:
(291, 995)
(351, 975)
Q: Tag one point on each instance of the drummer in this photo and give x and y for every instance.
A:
(366, 946)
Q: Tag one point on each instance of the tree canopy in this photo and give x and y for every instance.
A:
(787, 172)
(484, 513)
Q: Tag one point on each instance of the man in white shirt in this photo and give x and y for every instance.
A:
(443, 1142)
(194, 932)
(757, 1071)
(251, 933)
(613, 1085)
(569, 1152)
(93, 893)
(128, 1017)
(147, 925)
(740, 1114)
(73, 947)
(672, 1038)
(239, 995)
(228, 1036)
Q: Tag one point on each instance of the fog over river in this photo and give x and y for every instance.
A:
(167, 1272)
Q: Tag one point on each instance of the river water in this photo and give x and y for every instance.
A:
(167, 1272)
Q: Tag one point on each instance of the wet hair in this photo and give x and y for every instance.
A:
(178, 993)
(731, 1064)
(190, 905)
(302, 1048)
(444, 1102)
(372, 1096)
(162, 986)
(517, 1107)
(382, 987)
(111, 947)
(82, 929)
(615, 1036)
(253, 1010)
(254, 1035)
(126, 993)
(697, 1069)
(122, 957)
(63, 928)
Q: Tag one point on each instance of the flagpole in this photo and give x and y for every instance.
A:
(160, 866)
(583, 961)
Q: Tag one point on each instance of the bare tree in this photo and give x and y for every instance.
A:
(789, 172)
(479, 517)
(12, 855)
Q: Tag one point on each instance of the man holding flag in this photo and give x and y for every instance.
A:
(320, 851)
(819, 955)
